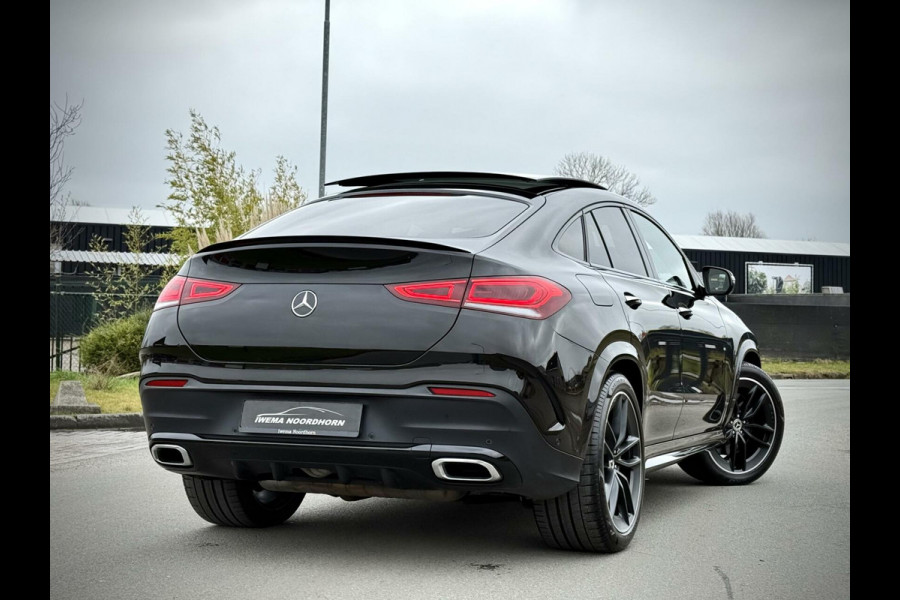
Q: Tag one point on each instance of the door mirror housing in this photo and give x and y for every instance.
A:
(717, 281)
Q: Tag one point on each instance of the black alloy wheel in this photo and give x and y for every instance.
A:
(753, 434)
(601, 513)
(622, 475)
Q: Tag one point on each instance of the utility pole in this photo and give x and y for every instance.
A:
(324, 128)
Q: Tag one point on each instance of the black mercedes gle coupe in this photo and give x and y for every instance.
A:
(437, 335)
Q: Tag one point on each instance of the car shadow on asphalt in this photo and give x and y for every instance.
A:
(393, 530)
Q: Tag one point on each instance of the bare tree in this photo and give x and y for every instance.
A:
(64, 120)
(732, 224)
(599, 169)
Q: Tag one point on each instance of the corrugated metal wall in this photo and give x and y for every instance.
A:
(79, 237)
(827, 270)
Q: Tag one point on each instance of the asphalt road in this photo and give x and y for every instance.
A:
(120, 527)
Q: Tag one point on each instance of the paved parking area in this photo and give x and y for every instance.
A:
(120, 527)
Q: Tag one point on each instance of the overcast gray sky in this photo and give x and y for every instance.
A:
(731, 105)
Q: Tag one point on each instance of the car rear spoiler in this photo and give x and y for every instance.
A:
(318, 240)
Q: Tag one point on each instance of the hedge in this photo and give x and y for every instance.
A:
(112, 348)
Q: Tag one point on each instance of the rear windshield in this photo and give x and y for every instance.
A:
(404, 216)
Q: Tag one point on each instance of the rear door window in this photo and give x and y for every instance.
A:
(623, 249)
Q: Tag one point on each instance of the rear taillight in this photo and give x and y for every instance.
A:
(443, 293)
(530, 297)
(171, 294)
(186, 290)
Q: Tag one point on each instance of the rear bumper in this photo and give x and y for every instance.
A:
(402, 433)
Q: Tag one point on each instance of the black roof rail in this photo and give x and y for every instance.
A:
(525, 185)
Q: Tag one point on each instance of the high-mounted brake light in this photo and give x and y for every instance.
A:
(530, 296)
(185, 290)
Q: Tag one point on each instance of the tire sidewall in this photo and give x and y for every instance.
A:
(594, 461)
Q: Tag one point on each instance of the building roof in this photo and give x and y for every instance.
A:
(161, 218)
(154, 259)
(114, 215)
(761, 245)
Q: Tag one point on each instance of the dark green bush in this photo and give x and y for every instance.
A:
(112, 348)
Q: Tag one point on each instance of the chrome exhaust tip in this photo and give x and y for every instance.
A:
(465, 469)
(171, 455)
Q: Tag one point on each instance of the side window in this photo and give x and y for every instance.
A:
(597, 254)
(665, 255)
(624, 252)
(571, 242)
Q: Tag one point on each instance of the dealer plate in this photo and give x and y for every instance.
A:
(301, 418)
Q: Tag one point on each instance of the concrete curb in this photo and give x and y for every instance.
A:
(105, 421)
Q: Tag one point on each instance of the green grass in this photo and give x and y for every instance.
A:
(113, 395)
(814, 369)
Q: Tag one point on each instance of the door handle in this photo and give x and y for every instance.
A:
(632, 300)
(685, 312)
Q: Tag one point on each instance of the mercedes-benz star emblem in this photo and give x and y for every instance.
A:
(304, 303)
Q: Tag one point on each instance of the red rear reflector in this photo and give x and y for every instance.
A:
(183, 290)
(530, 297)
(166, 383)
(446, 391)
(443, 293)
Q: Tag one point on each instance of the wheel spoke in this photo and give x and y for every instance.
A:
(628, 501)
(610, 437)
(759, 441)
(629, 443)
(619, 418)
(607, 451)
(629, 462)
(740, 460)
(756, 406)
(765, 427)
(732, 451)
(612, 495)
(745, 405)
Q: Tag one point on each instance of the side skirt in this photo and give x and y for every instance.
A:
(668, 453)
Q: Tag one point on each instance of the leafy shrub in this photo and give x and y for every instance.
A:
(112, 348)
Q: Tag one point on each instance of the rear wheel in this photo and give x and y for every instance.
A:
(601, 513)
(753, 434)
(239, 503)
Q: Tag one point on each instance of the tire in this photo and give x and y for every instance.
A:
(754, 433)
(613, 466)
(235, 503)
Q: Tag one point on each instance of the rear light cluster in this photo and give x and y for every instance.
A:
(530, 297)
(186, 290)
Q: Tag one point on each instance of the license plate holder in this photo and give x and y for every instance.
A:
(301, 418)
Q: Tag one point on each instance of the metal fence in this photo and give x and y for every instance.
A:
(72, 315)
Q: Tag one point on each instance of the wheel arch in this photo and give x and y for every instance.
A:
(620, 357)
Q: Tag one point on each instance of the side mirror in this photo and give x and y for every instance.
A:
(717, 281)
